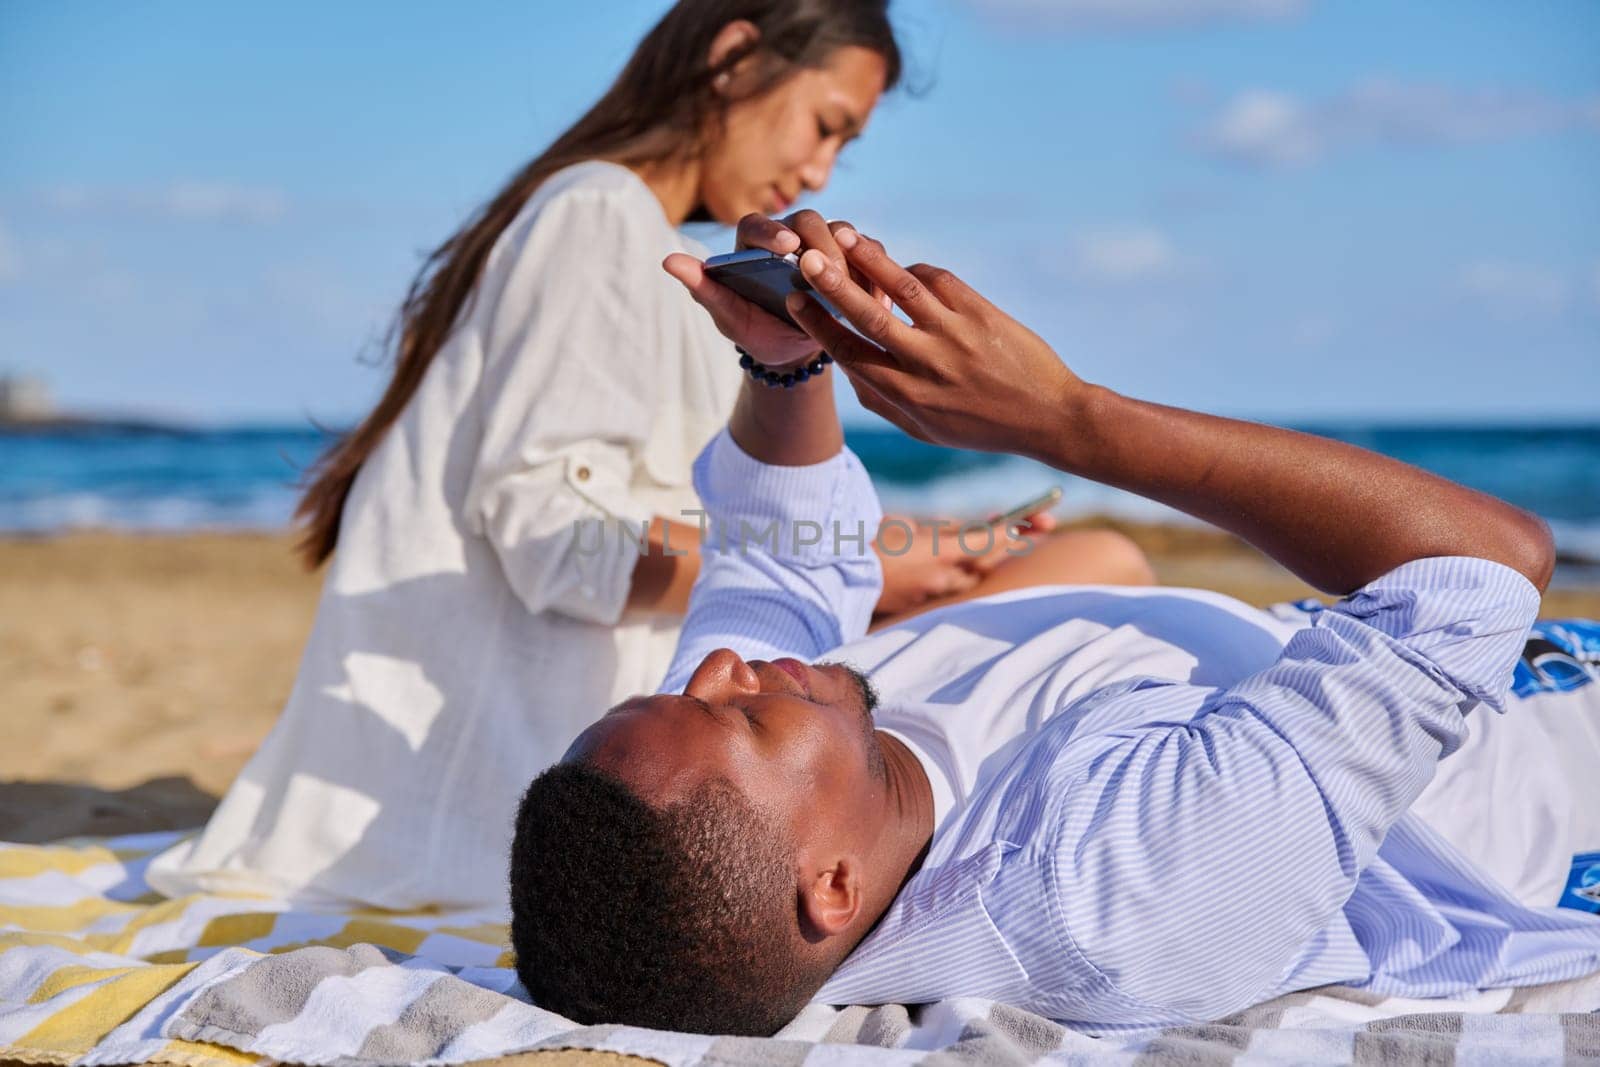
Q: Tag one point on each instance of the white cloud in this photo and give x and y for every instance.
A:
(1514, 290)
(191, 201)
(1123, 256)
(1276, 129)
(1135, 14)
(10, 258)
(1263, 127)
(212, 200)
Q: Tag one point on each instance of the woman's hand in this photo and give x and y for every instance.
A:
(772, 342)
(963, 373)
(926, 560)
(920, 563)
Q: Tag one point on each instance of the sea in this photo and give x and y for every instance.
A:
(160, 478)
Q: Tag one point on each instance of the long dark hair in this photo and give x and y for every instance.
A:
(657, 110)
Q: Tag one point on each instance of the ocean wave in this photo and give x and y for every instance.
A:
(245, 478)
(263, 509)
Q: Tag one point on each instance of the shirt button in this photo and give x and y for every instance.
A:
(582, 474)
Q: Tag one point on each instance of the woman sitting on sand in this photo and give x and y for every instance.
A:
(551, 388)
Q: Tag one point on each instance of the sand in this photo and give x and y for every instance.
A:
(138, 673)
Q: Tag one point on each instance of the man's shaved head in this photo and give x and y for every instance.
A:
(677, 919)
(697, 861)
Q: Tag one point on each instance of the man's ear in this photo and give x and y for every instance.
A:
(830, 899)
(737, 39)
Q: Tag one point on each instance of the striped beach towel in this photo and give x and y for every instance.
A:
(93, 964)
(94, 969)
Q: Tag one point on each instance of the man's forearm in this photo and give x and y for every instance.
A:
(792, 427)
(962, 372)
(1336, 515)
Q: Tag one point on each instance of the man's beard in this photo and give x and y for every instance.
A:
(866, 703)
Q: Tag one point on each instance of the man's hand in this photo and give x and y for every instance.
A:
(783, 427)
(773, 342)
(963, 373)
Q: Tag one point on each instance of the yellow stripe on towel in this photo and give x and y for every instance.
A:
(30, 861)
(80, 1026)
(498, 934)
(237, 929)
(62, 918)
(153, 915)
(17, 939)
(71, 977)
(203, 1054)
(366, 931)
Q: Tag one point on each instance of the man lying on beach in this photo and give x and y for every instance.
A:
(1109, 807)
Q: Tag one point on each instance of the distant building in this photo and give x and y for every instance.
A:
(24, 399)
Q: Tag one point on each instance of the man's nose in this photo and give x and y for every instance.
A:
(720, 675)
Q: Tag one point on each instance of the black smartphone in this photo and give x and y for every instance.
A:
(765, 279)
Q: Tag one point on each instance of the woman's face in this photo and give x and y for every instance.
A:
(774, 146)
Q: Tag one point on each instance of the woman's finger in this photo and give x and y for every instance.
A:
(903, 287)
(1039, 522)
(758, 231)
(952, 580)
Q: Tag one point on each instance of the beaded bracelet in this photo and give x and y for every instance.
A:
(786, 379)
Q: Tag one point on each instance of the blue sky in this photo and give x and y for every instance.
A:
(1287, 209)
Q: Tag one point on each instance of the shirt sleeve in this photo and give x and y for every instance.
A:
(566, 400)
(787, 566)
(1196, 854)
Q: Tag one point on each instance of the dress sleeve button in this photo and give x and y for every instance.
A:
(582, 474)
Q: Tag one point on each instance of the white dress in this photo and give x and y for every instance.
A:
(472, 620)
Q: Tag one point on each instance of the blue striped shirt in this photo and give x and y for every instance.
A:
(1153, 806)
